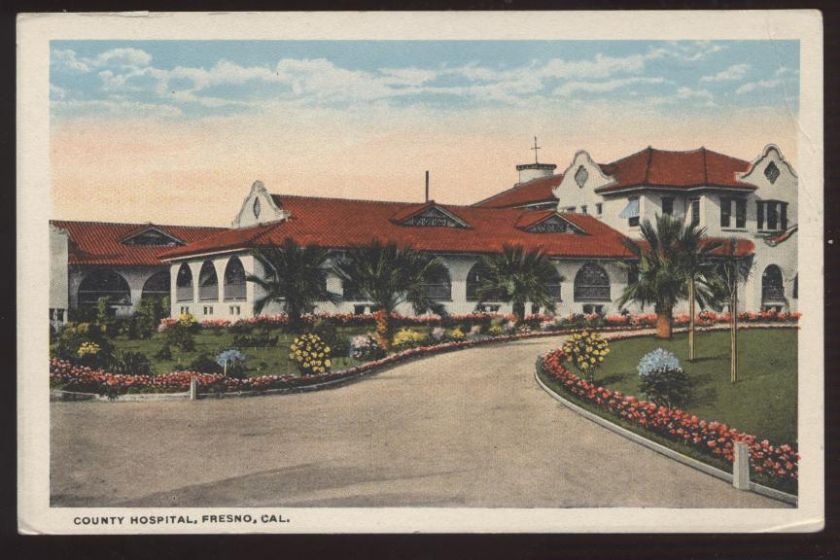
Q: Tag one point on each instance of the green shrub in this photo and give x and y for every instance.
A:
(261, 338)
(180, 335)
(148, 316)
(328, 332)
(205, 363)
(165, 352)
(666, 387)
(84, 344)
(132, 363)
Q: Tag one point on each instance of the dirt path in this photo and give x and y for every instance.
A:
(468, 428)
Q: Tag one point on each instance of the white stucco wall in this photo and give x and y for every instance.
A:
(59, 275)
(268, 210)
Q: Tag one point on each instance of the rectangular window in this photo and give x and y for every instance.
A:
(599, 208)
(589, 309)
(772, 216)
(208, 309)
(234, 310)
(583, 209)
(185, 309)
(725, 212)
(740, 213)
(667, 206)
(759, 214)
(694, 205)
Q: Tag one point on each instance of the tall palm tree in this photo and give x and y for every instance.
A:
(389, 275)
(294, 276)
(702, 274)
(732, 270)
(518, 276)
(662, 278)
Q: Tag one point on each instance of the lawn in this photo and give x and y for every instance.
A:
(763, 401)
(260, 361)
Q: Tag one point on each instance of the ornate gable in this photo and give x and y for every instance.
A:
(153, 236)
(429, 215)
(550, 222)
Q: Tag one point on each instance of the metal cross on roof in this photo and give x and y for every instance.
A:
(536, 149)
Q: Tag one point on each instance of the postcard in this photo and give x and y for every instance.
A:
(545, 272)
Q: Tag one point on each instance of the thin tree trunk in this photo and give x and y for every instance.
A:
(733, 321)
(691, 325)
(663, 324)
(519, 312)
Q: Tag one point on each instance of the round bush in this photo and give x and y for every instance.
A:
(659, 359)
(662, 379)
(310, 354)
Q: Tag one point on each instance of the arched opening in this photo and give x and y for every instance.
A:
(553, 285)
(234, 280)
(772, 286)
(208, 282)
(475, 277)
(157, 286)
(438, 284)
(184, 284)
(104, 283)
(592, 283)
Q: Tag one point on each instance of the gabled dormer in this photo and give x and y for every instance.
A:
(547, 222)
(258, 207)
(153, 236)
(429, 214)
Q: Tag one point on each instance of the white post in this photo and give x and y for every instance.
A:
(741, 467)
(193, 389)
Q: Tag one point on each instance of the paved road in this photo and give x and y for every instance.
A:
(468, 428)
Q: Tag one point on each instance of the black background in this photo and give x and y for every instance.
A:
(689, 546)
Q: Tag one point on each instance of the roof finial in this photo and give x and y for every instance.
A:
(536, 149)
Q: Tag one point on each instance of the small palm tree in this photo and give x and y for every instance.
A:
(662, 278)
(389, 275)
(294, 276)
(518, 276)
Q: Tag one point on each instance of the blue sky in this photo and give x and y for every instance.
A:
(194, 79)
(142, 130)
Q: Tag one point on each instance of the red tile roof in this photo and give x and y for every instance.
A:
(100, 243)
(743, 247)
(649, 167)
(340, 223)
(667, 169)
(535, 190)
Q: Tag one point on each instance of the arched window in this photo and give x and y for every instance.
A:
(478, 274)
(104, 283)
(592, 283)
(772, 286)
(234, 280)
(208, 282)
(553, 285)
(438, 285)
(157, 286)
(184, 284)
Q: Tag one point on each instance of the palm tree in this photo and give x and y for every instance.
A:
(389, 275)
(294, 276)
(731, 271)
(518, 276)
(702, 275)
(662, 278)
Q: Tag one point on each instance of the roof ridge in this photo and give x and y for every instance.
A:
(133, 224)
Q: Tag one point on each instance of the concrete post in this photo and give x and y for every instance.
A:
(741, 467)
(193, 389)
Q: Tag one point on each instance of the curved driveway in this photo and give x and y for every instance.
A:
(468, 428)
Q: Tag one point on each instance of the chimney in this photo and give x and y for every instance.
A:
(427, 186)
(536, 170)
(531, 171)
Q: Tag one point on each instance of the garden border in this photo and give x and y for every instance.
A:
(662, 449)
(376, 366)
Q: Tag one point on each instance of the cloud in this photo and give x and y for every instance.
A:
(686, 51)
(733, 73)
(99, 108)
(121, 57)
(570, 88)
(762, 84)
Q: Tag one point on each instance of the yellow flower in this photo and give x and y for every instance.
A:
(327, 363)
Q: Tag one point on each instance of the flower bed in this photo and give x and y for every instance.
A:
(776, 464)
(538, 320)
